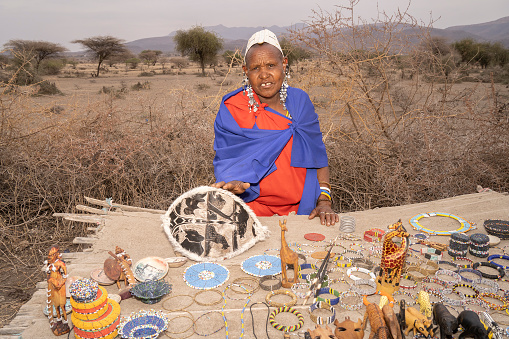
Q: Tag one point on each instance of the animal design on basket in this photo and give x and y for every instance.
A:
(417, 322)
(288, 257)
(447, 323)
(423, 301)
(56, 275)
(348, 329)
(393, 259)
(119, 268)
(392, 322)
(472, 325)
(321, 333)
(379, 329)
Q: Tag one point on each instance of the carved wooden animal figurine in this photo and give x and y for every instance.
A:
(392, 322)
(393, 259)
(423, 301)
(288, 257)
(56, 276)
(472, 325)
(376, 319)
(416, 321)
(119, 268)
(348, 329)
(447, 323)
(321, 333)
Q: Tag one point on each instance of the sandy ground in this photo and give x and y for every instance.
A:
(141, 235)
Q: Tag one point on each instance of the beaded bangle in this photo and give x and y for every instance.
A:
(280, 327)
(434, 280)
(421, 236)
(407, 287)
(366, 291)
(353, 307)
(449, 263)
(374, 234)
(363, 262)
(476, 291)
(324, 183)
(492, 258)
(271, 287)
(301, 250)
(300, 286)
(448, 283)
(493, 286)
(359, 269)
(416, 269)
(375, 250)
(457, 253)
(241, 281)
(493, 306)
(322, 320)
(436, 294)
(355, 254)
(464, 259)
(475, 281)
(207, 334)
(341, 264)
(230, 288)
(408, 294)
(454, 302)
(209, 303)
(330, 301)
(304, 267)
(285, 292)
(500, 270)
(175, 296)
(189, 316)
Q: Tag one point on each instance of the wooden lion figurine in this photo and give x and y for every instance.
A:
(56, 275)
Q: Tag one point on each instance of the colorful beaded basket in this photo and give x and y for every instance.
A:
(498, 228)
(84, 290)
(151, 291)
(143, 324)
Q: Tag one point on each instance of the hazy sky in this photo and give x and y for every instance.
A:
(64, 20)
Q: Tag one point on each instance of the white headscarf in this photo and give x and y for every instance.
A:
(261, 37)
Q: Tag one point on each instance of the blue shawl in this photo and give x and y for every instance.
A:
(249, 155)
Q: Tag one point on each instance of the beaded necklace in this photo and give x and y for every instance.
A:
(241, 313)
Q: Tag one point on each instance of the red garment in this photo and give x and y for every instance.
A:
(280, 191)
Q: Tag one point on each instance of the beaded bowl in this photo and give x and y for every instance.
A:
(151, 291)
(143, 324)
(83, 290)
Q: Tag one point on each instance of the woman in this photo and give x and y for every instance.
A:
(268, 144)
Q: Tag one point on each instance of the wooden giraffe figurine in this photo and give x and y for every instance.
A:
(288, 257)
(393, 259)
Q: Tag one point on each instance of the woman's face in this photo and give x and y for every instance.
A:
(265, 69)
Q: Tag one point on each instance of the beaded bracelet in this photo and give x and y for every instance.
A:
(363, 262)
(416, 269)
(407, 287)
(207, 334)
(330, 301)
(434, 280)
(493, 306)
(420, 236)
(325, 280)
(374, 234)
(271, 287)
(454, 302)
(493, 286)
(436, 294)
(304, 267)
(500, 270)
(240, 281)
(448, 283)
(367, 291)
(355, 254)
(300, 286)
(354, 307)
(475, 281)
(281, 292)
(210, 303)
(189, 316)
(280, 327)
(464, 259)
(408, 294)
(322, 320)
(375, 250)
(449, 263)
(175, 296)
(479, 253)
(476, 291)
(359, 269)
(492, 258)
(340, 264)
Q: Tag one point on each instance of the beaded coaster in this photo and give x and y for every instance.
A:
(206, 275)
(261, 265)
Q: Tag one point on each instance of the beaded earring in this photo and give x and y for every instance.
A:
(283, 92)
(253, 105)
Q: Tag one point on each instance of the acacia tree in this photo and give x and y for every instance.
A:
(293, 52)
(150, 56)
(200, 45)
(102, 47)
(34, 50)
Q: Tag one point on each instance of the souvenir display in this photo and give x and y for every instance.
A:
(56, 274)
(150, 268)
(465, 225)
(393, 259)
(151, 291)
(348, 329)
(262, 265)
(143, 324)
(94, 315)
(211, 224)
(206, 275)
(288, 257)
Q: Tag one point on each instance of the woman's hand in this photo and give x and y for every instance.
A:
(235, 186)
(324, 210)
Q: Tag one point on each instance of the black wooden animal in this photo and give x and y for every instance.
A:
(447, 323)
(472, 325)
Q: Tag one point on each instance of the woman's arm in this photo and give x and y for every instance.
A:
(324, 205)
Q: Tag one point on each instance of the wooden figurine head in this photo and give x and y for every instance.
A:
(348, 329)
(321, 333)
(283, 225)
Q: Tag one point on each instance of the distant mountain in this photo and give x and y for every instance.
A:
(236, 37)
